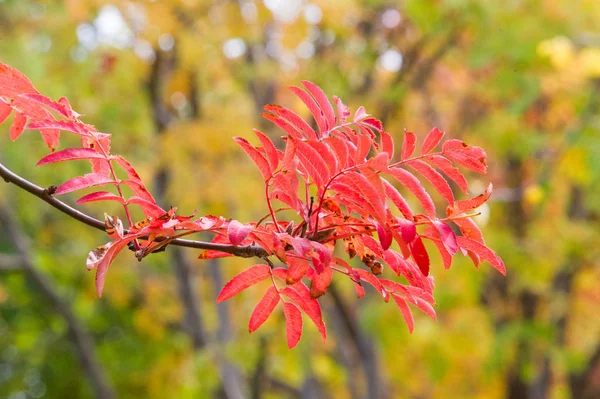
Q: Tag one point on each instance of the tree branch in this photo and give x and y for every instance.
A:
(83, 343)
(248, 251)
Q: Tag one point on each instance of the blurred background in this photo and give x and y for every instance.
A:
(174, 80)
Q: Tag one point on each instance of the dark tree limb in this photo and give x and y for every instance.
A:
(82, 341)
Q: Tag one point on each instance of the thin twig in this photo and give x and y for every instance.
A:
(248, 251)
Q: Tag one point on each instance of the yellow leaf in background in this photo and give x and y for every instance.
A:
(574, 165)
(559, 49)
(533, 194)
(588, 60)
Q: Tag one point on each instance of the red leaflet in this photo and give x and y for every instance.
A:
(373, 123)
(432, 234)
(320, 282)
(407, 228)
(387, 144)
(468, 156)
(237, 232)
(18, 125)
(322, 101)
(340, 149)
(5, 111)
(360, 114)
(469, 204)
(313, 107)
(48, 103)
(263, 309)
(293, 324)
(374, 281)
(446, 167)
(85, 181)
(413, 184)
(301, 128)
(100, 196)
(368, 194)
(483, 251)
(362, 149)
(269, 147)
(343, 112)
(243, 280)
(51, 138)
(326, 153)
(313, 163)
(385, 237)
(261, 163)
(309, 305)
(447, 236)
(392, 193)
(432, 139)
(70, 154)
(102, 257)
(408, 146)
(69, 126)
(150, 208)
(420, 256)
(426, 308)
(406, 313)
(436, 180)
(297, 268)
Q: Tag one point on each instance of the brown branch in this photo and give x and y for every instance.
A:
(83, 343)
(10, 263)
(248, 251)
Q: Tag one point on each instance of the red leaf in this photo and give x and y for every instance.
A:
(387, 144)
(363, 148)
(343, 112)
(313, 107)
(340, 148)
(301, 128)
(483, 251)
(261, 163)
(270, 149)
(5, 111)
(69, 126)
(408, 229)
(51, 138)
(320, 282)
(237, 232)
(18, 125)
(420, 255)
(100, 196)
(290, 153)
(374, 281)
(48, 103)
(85, 181)
(469, 204)
(70, 154)
(139, 190)
(447, 236)
(432, 139)
(293, 324)
(385, 237)
(309, 305)
(408, 146)
(314, 164)
(392, 193)
(432, 234)
(322, 101)
(373, 123)
(297, 268)
(436, 180)
(406, 313)
(326, 154)
(446, 167)
(263, 309)
(102, 257)
(413, 184)
(360, 114)
(470, 157)
(150, 208)
(244, 280)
